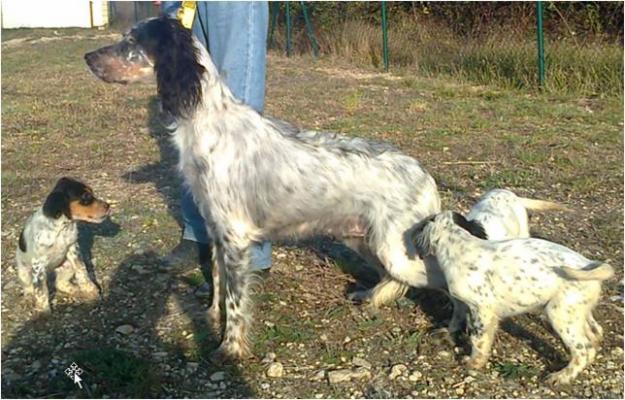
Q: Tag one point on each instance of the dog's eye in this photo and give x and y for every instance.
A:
(86, 198)
(131, 40)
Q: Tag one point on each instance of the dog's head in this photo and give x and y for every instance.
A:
(428, 232)
(75, 201)
(160, 46)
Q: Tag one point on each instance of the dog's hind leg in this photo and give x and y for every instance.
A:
(564, 316)
(387, 290)
(236, 260)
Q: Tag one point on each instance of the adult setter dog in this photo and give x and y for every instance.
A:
(255, 179)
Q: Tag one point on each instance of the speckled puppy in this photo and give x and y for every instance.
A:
(48, 245)
(499, 279)
(503, 214)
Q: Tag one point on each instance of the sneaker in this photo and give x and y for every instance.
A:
(184, 256)
(205, 291)
(166, 119)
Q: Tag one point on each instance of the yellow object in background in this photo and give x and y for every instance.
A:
(186, 13)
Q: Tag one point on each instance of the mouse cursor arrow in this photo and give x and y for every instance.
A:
(77, 380)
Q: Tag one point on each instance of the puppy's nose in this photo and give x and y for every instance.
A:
(90, 58)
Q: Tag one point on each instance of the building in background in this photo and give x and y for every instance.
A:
(54, 14)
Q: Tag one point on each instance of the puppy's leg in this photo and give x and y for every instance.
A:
(565, 319)
(25, 276)
(40, 287)
(84, 284)
(595, 331)
(237, 303)
(64, 275)
(483, 325)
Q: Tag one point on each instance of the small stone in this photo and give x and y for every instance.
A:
(264, 386)
(344, 375)
(36, 365)
(397, 370)
(299, 267)
(269, 357)
(125, 329)
(318, 395)
(617, 352)
(361, 362)
(275, 370)
(444, 354)
(415, 376)
(323, 337)
(218, 376)
(192, 366)
(460, 391)
(320, 375)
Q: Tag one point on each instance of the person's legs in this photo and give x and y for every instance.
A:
(237, 35)
(237, 41)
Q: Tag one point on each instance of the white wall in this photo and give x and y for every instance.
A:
(53, 14)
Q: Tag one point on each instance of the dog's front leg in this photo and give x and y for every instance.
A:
(237, 300)
(84, 285)
(217, 273)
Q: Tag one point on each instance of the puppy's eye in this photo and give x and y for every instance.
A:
(86, 198)
(131, 40)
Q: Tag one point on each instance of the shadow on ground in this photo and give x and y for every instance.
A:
(117, 343)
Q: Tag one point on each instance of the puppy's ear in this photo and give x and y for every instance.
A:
(473, 227)
(56, 204)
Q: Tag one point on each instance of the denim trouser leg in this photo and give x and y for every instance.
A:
(237, 40)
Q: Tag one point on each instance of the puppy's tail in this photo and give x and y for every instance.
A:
(596, 271)
(542, 205)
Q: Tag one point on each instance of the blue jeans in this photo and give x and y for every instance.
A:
(237, 43)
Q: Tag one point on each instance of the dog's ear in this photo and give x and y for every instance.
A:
(56, 204)
(178, 72)
(473, 227)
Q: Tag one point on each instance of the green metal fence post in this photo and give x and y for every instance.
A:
(384, 37)
(275, 10)
(309, 30)
(288, 29)
(540, 44)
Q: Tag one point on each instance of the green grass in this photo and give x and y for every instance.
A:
(116, 372)
(512, 370)
(503, 57)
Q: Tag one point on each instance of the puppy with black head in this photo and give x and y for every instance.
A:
(497, 279)
(48, 245)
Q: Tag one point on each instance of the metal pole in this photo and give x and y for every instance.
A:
(309, 30)
(541, 44)
(384, 36)
(288, 29)
(275, 10)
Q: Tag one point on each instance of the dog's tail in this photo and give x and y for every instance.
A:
(542, 205)
(596, 271)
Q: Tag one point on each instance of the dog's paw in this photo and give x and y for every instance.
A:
(558, 378)
(359, 296)
(474, 362)
(441, 336)
(227, 354)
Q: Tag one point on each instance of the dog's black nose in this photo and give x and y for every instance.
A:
(90, 57)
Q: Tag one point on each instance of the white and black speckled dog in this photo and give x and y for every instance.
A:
(252, 180)
(503, 214)
(48, 244)
(499, 279)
